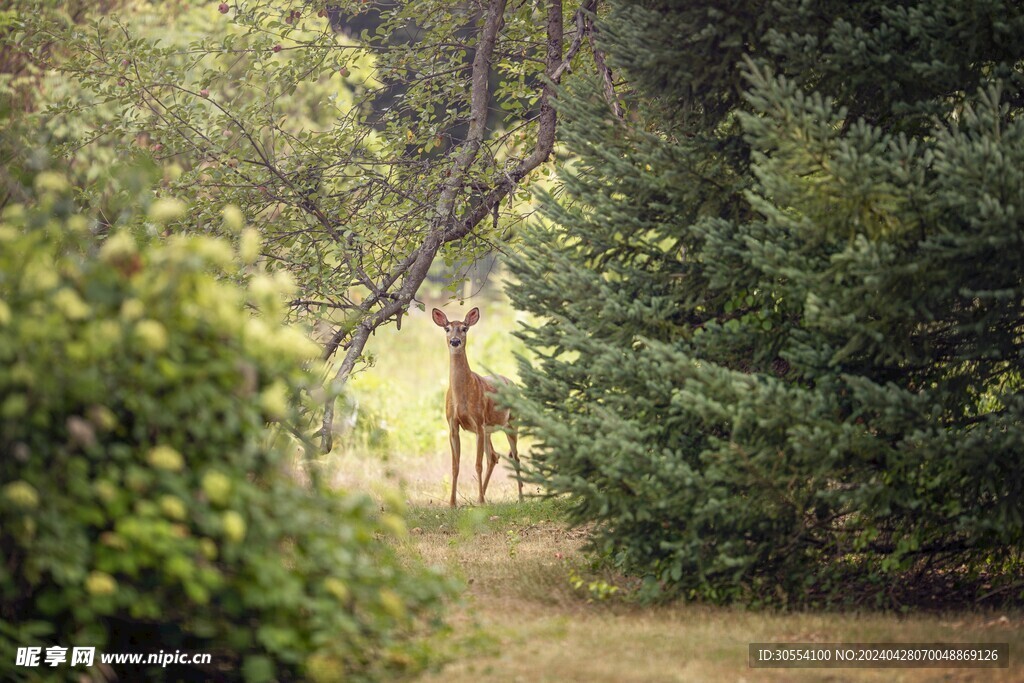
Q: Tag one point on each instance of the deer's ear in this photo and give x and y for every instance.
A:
(472, 317)
(440, 319)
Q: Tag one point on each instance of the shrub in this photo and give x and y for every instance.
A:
(145, 506)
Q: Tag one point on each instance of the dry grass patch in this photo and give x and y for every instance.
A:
(521, 619)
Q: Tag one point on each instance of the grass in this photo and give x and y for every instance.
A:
(522, 618)
(482, 519)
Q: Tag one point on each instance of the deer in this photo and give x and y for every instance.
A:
(469, 404)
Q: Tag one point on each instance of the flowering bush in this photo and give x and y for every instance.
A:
(144, 504)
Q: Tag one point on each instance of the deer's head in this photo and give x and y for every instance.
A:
(455, 331)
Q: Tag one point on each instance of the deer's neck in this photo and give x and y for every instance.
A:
(460, 376)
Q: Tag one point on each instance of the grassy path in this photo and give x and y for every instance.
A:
(520, 618)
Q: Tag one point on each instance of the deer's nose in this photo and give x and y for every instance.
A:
(456, 342)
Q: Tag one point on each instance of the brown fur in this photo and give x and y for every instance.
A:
(469, 405)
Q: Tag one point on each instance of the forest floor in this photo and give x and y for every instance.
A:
(521, 618)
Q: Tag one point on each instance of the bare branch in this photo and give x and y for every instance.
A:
(583, 27)
(602, 66)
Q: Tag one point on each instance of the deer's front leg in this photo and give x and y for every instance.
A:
(453, 439)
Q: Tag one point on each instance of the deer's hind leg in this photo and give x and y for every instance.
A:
(483, 444)
(492, 460)
(513, 442)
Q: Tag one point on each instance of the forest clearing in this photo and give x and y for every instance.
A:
(532, 605)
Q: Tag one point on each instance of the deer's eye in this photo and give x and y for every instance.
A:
(447, 329)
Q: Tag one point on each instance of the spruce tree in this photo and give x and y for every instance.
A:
(780, 304)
